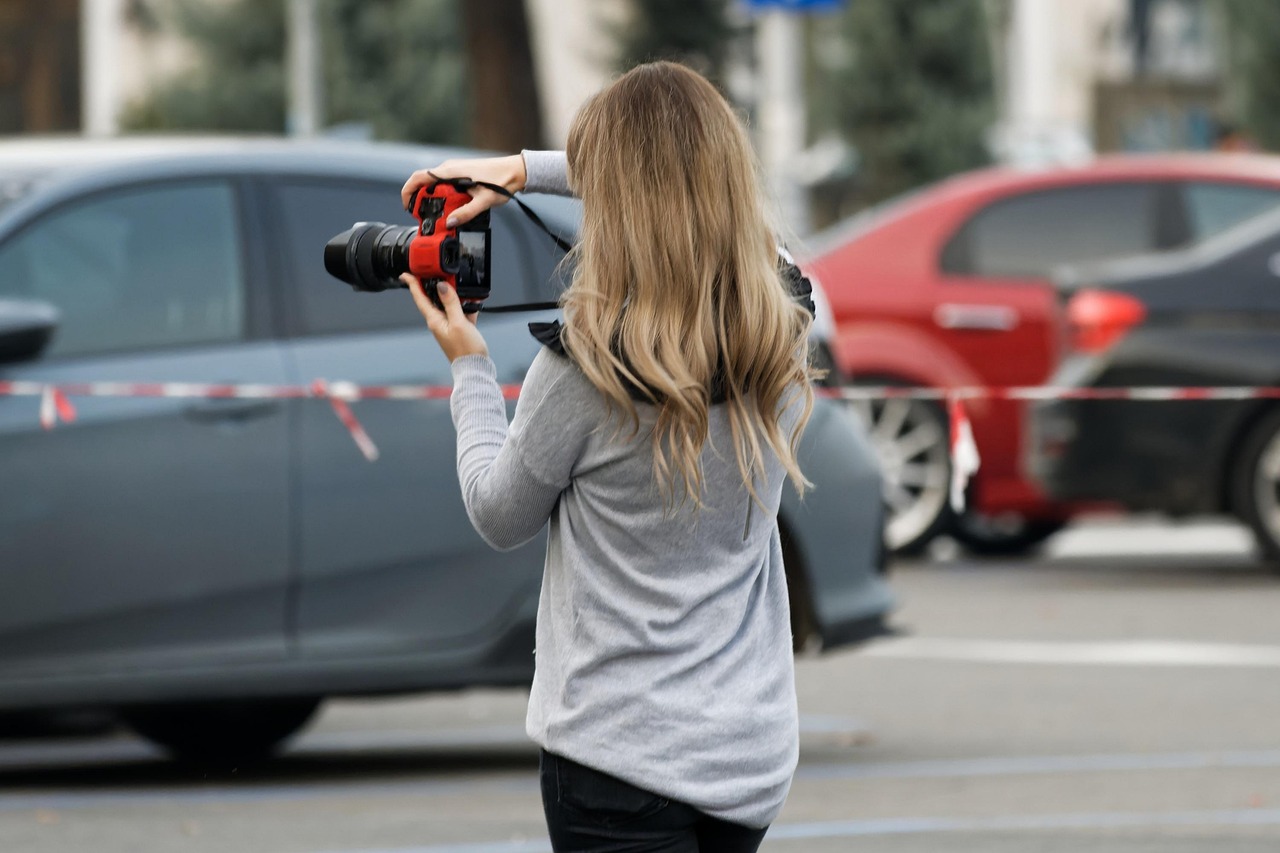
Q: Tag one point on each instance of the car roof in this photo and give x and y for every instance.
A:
(54, 155)
(1004, 180)
(1186, 166)
(57, 166)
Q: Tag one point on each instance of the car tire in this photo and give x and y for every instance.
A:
(911, 437)
(1000, 537)
(221, 733)
(1255, 484)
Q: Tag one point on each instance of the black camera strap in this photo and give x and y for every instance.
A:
(564, 245)
(799, 286)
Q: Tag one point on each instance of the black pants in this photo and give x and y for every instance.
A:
(593, 812)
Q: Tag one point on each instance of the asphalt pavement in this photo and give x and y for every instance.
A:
(1120, 693)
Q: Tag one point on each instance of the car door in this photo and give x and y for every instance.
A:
(389, 561)
(994, 305)
(150, 533)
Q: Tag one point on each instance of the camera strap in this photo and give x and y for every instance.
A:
(795, 280)
(564, 245)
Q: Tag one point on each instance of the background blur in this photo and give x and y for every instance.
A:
(890, 95)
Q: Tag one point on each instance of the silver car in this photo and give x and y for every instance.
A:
(214, 568)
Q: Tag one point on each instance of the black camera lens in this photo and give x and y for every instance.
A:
(370, 256)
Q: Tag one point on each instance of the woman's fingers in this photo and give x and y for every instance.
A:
(452, 305)
(453, 329)
(506, 172)
(482, 200)
(436, 319)
(426, 177)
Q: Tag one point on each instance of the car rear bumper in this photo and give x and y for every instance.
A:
(1144, 455)
(837, 529)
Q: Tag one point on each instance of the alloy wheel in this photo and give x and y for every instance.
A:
(1266, 488)
(910, 439)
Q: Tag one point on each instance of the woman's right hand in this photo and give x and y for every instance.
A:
(506, 172)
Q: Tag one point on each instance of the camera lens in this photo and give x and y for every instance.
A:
(370, 256)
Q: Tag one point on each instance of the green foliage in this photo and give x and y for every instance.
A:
(1252, 54)
(238, 82)
(909, 83)
(399, 66)
(394, 64)
(695, 32)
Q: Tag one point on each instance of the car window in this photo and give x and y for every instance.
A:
(146, 267)
(523, 258)
(1215, 207)
(1029, 235)
(315, 210)
(547, 277)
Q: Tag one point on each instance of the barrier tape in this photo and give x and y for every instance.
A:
(55, 405)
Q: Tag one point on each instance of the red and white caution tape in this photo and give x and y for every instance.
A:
(55, 405)
(336, 394)
(1049, 392)
(964, 452)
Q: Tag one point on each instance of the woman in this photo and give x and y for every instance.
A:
(656, 441)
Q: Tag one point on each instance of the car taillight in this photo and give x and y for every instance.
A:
(1099, 318)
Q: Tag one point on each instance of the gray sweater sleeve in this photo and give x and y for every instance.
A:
(512, 478)
(546, 172)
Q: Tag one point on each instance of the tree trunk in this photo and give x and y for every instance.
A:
(505, 115)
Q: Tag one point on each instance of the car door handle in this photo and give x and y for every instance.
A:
(230, 411)
(989, 318)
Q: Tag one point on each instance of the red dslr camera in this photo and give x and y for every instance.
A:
(458, 255)
(370, 256)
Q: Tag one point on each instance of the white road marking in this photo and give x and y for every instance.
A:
(1074, 653)
(1152, 536)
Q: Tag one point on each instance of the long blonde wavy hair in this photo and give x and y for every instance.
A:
(676, 285)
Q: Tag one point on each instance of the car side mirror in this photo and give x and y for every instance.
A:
(26, 327)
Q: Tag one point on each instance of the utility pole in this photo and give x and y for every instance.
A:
(100, 66)
(1030, 83)
(780, 53)
(306, 99)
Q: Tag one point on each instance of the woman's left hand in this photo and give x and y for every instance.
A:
(455, 331)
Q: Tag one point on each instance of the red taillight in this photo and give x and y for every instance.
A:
(1099, 318)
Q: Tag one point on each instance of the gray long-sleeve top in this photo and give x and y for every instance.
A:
(663, 650)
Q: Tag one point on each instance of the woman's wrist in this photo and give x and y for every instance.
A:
(519, 174)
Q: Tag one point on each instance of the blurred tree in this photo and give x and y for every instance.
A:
(397, 65)
(237, 84)
(909, 84)
(695, 32)
(1252, 65)
(504, 92)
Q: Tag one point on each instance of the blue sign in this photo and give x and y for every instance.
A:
(794, 5)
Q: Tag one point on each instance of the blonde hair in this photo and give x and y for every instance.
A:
(676, 287)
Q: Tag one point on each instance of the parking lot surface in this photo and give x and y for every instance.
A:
(1119, 693)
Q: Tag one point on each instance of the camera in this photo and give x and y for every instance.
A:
(371, 256)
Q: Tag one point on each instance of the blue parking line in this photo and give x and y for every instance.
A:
(1044, 765)
(922, 826)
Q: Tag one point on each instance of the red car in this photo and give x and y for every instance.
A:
(949, 286)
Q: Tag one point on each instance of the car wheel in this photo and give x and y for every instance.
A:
(1002, 535)
(911, 441)
(1256, 484)
(221, 733)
